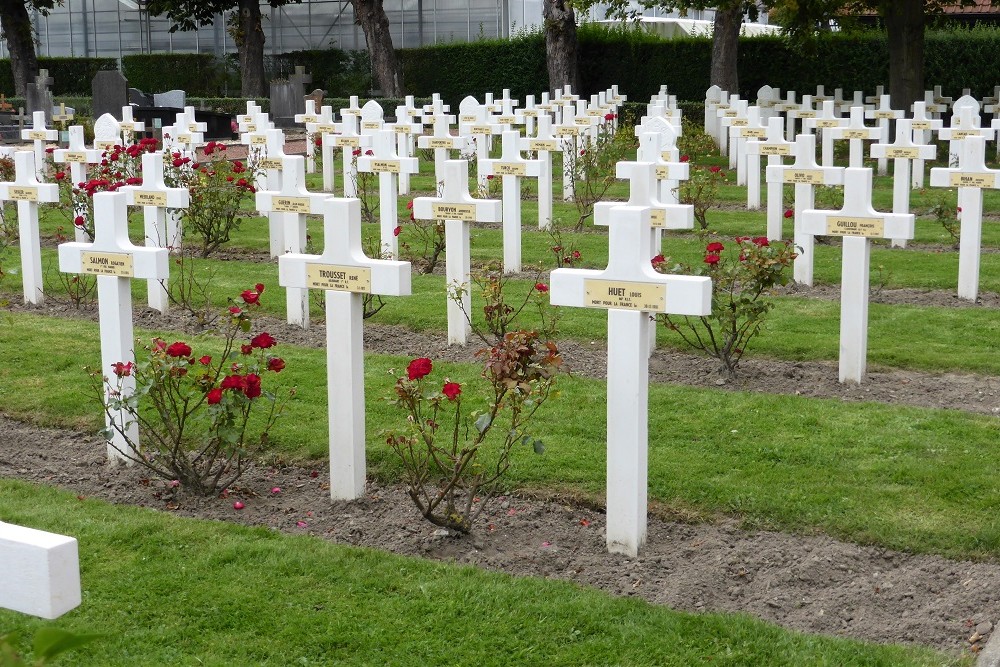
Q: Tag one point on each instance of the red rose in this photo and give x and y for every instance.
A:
(659, 259)
(761, 242)
(609, 116)
(253, 386)
(685, 158)
(275, 364)
(246, 348)
(715, 247)
(250, 296)
(259, 288)
(235, 310)
(789, 213)
(541, 287)
(715, 169)
(205, 361)
(214, 396)
(409, 205)
(179, 349)
(60, 175)
(369, 152)
(418, 368)
(397, 230)
(79, 221)
(451, 390)
(263, 341)
(122, 369)
(711, 259)
(234, 382)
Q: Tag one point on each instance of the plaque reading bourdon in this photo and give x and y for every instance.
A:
(290, 204)
(462, 212)
(107, 264)
(839, 225)
(339, 278)
(775, 149)
(811, 176)
(150, 198)
(622, 295)
(390, 166)
(542, 145)
(972, 180)
(22, 193)
(509, 169)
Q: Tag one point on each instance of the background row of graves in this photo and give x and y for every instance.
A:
(542, 250)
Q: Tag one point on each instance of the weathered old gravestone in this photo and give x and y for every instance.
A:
(38, 97)
(971, 177)
(156, 198)
(41, 571)
(28, 192)
(172, 99)
(345, 275)
(115, 261)
(858, 223)
(457, 208)
(631, 291)
(110, 92)
(512, 167)
(291, 202)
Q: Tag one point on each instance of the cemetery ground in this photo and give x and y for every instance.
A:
(865, 512)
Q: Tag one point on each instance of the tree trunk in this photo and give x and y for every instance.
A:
(18, 33)
(370, 15)
(904, 25)
(725, 44)
(250, 42)
(560, 44)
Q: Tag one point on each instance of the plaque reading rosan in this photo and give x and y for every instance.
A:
(22, 193)
(351, 142)
(908, 153)
(290, 204)
(75, 156)
(961, 179)
(440, 143)
(509, 169)
(775, 149)
(812, 176)
(621, 295)
(391, 166)
(463, 212)
(107, 264)
(150, 198)
(542, 145)
(339, 278)
(838, 225)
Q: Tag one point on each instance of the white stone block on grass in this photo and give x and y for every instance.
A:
(39, 571)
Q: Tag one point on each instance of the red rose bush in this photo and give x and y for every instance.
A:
(201, 417)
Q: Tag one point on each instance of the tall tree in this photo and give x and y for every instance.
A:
(246, 28)
(561, 44)
(20, 38)
(370, 15)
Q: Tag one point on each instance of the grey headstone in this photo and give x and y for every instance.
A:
(110, 91)
(139, 98)
(286, 98)
(176, 99)
(38, 96)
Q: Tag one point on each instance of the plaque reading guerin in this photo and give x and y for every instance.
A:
(107, 264)
(622, 295)
(339, 278)
(290, 204)
(463, 212)
(839, 225)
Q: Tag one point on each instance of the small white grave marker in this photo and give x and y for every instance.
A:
(442, 141)
(28, 191)
(883, 113)
(388, 165)
(513, 168)
(474, 122)
(971, 176)
(923, 125)
(857, 132)
(345, 275)
(115, 261)
(902, 152)
(631, 291)
(858, 223)
(38, 135)
(457, 208)
(41, 571)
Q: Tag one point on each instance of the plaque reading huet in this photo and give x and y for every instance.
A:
(622, 295)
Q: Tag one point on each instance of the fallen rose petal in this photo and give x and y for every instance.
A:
(276, 490)
(238, 505)
(301, 524)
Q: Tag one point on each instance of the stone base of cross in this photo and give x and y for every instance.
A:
(631, 291)
(41, 571)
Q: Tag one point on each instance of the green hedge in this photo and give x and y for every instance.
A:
(70, 76)
(199, 74)
(339, 73)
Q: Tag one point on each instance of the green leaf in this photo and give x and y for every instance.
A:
(483, 422)
(539, 447)
(50, 642)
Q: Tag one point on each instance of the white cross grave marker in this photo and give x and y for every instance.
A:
(442, 141)
(28, 191)
(902, 151)
(108, 133)
(292, 202)
(457, 208)
(965, 122)
(923, 125)
(388, 165)
(156, 197)
(883, 113)
(527, 115)
(569, 142)
(38, 135)
(971, 176)
(473, 122)
(352, 143)
(656, 141)
(858, 223)
(310, 117)
(513, 168)
(130, 127)
(543, 145)
(856, 132)
(631, 290)
(41, 571)
(115, 261)
(806, 175)
(825, 121)
(321, 128)
(774, 146)
(78, 156)
(345, 275)
(406, 127)
(741, 130)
